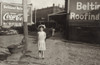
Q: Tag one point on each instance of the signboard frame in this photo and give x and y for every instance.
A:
(15, 5)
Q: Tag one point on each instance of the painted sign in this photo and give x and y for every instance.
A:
(84, 10)
(12, 14)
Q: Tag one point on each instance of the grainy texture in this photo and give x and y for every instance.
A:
(60, 52)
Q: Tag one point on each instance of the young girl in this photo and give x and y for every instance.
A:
(41, 41)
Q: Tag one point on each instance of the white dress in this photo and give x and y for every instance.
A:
(41, 40)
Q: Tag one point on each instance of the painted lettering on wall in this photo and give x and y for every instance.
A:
(12, 17)
(89, 6)
(12, 7)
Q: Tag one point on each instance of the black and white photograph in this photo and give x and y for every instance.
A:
(49, 32)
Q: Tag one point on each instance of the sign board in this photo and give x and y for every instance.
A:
(84, 12)
(12, 14)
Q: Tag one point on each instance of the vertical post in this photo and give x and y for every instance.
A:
(35, 15)
(1, 23)
(48, 17)
(31, 13)
(25, 17)
(67, 4)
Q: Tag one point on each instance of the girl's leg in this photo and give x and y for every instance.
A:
(40, 54)
(43, 54)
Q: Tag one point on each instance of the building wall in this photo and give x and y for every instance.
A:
(83, 30)
(42, 14)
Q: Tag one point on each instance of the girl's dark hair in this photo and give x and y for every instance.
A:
(41, 27)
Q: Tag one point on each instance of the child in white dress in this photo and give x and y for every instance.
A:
(41, 41)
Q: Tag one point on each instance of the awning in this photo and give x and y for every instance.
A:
(59, 17)
(58, 13)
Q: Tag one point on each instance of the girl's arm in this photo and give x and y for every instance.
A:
(45, 35)
(37, 37)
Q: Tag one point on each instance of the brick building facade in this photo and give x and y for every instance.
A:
(41, 15)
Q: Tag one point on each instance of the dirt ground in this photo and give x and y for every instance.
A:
(59, 52)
